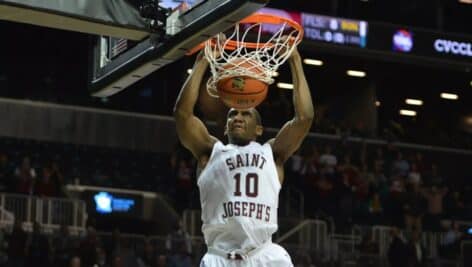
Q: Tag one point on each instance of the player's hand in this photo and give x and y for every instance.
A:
(219, 45)
(285, 44)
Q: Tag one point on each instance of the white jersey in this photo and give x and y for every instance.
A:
(239, 192)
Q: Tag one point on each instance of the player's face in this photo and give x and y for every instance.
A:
(242, 126)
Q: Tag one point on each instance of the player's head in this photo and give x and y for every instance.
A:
(243, 125)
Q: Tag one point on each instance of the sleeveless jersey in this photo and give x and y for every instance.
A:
(239, 191)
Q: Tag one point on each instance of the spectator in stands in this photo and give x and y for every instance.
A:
(63, 246)
(101, 258)
(450, 246)
(88, 248)
(179, 247)
(345, 207)
(180, 257)
(125, 254)
(379, 181)
(305, 166)
(184, 184)
(414, 177)
(75, 262)
(420, 163)
(161, 261)
(112, 245)
(379, 160)
(375, 208)
(434, 197)
(400, 166)
(38, 248)
(328, 160)
(398, 250)
(348, 169)
(414, 208)
(45, 186)
(57, 178)
(25, 175)
(147, 258)
(179, 240)
(416, 253)
(17, 246)
(394, 203)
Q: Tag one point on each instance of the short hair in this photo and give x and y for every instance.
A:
(256, 113)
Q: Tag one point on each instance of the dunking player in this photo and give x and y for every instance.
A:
(240, 182)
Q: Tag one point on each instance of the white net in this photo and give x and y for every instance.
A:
(248, 49)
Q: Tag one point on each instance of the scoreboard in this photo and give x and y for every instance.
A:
(334, 30)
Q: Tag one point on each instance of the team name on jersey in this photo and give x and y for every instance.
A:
(245, 160)
(246, 209)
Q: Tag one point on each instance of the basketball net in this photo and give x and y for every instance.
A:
(249, 51)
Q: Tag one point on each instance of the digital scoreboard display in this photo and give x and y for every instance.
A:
(335, 30)
(327, 29)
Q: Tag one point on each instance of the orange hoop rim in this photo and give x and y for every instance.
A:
(255, 18)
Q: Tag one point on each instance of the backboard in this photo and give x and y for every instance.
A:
(118, 63)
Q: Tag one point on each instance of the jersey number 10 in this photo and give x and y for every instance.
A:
(252, 181)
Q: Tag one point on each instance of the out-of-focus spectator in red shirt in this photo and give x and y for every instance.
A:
(25, 175)
(45, 186)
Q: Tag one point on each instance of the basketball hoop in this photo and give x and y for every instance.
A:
(255, 47)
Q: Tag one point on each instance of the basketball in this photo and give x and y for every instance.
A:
(242, 92)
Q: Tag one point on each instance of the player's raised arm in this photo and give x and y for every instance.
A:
(191, 131)
(290, 137)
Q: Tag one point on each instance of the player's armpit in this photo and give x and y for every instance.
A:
(289, 138)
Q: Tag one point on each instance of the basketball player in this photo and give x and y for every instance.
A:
(239, 182)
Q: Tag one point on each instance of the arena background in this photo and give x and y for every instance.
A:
(384, 173)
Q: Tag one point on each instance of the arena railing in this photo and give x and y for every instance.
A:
(192, 222)
(137, 242)
(51, 213)
(6, 218)
(309, 234)
(313, 236)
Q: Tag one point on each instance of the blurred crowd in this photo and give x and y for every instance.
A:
(349, 184)
(376, 185)
(20, 248)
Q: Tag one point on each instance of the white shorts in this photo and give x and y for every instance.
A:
(272, 255)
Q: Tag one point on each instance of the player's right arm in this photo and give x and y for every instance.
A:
(192, 133)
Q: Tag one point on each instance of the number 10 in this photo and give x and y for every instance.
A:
(251, 179)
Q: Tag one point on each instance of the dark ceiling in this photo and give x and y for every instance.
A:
(63, 55)
(443, 15)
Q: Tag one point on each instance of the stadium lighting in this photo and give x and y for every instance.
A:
(449, 96)
(406, 112)
(377, 103)
(189, 71)
(356, 73)
(314, 62)
(414, 102)
(285, 85)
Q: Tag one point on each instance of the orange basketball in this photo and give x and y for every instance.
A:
(242, 92)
